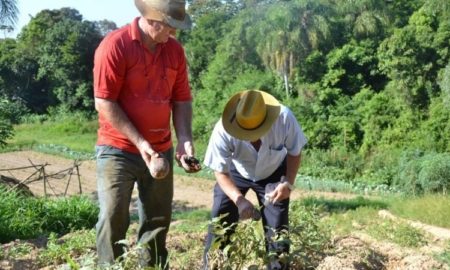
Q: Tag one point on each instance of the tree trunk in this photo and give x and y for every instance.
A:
(286, 84)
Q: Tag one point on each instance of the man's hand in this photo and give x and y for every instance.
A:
(245, 208)
(146, 151)
(280, 193)
(184, 157)
(190, 164)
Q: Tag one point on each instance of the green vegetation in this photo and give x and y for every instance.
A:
(367, 80)
(29, 217)
(429, 209)
(314, 222)
(75, 244)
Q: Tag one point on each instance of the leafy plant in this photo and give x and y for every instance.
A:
(308, 239)
(28, 217)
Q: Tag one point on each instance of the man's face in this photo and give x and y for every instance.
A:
(159, 31)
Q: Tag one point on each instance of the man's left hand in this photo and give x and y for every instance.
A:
(280, 193)
(184, 157)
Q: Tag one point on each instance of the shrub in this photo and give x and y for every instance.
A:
(420, 173)
(308, 239)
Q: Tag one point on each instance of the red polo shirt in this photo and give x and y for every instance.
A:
(144, 84)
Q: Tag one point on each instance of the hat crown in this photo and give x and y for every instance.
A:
(172, 12)
(251, 110)
(172, 8)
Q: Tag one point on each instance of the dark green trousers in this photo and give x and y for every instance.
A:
(117, 173)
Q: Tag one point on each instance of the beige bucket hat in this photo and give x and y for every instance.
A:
(249, 114)
(172, 12)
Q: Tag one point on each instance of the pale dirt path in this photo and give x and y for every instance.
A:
(189, 191)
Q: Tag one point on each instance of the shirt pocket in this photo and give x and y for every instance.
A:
(137, 82)
(160, 89)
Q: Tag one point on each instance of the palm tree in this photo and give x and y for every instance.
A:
(367, 18)
(290, 31)
(8, 13)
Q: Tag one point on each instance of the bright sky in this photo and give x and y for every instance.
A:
(119, 11)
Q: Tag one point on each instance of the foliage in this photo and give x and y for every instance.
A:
(6, 129)
(429, 208)
(73, 244)
(366, 79)
(398, 232)
(419, 173)
(29, 217)
(308, 241)
(343, 205)
(8, 13)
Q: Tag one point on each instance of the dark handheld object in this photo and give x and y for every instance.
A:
(190, 164)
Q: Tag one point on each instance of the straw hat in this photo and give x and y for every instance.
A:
(172, 12)
(249, 114)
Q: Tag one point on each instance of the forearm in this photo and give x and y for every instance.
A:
(227, 185)
(182, 120)
(114, 114)
(292, 166)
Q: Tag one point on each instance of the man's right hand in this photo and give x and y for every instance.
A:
(146, 151)
(245, 208)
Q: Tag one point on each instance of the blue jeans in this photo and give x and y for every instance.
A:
(117, 173)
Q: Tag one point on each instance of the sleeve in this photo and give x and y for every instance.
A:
(219, 151)
(181, 88)
(295, 139)
(109, 69)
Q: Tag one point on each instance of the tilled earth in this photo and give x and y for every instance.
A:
(356, 251)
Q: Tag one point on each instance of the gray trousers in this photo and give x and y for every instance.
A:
(117, 173)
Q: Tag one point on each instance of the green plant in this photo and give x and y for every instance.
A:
(444, 256)
(28, 217)
(16, 251)
(420, 173)
(308, 239)
(72, 245)
(397, 232)
(246, 245)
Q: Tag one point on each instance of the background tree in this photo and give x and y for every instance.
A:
(8, 13)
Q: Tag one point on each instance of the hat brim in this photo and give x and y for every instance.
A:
(234, 129)
(182, 25)
(154, 14)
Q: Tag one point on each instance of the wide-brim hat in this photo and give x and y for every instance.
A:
(172, 12)
(250, 114)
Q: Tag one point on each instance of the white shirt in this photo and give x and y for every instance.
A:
(284, 137)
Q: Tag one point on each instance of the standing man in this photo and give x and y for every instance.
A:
(140, 82)
(256, 143)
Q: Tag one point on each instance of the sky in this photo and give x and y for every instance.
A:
(119, 11)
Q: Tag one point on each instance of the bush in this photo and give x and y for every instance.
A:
(419, 173)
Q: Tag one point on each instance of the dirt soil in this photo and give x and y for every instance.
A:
(356, 251)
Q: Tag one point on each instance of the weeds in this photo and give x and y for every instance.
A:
(308, 240)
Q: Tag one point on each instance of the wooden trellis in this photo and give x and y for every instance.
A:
(40, 175)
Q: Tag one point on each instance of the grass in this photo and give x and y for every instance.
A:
(75, 134)
(58, 251)
(29, 217)
(339, 206)
(190, 221)
(429, 209)
(312, 221)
